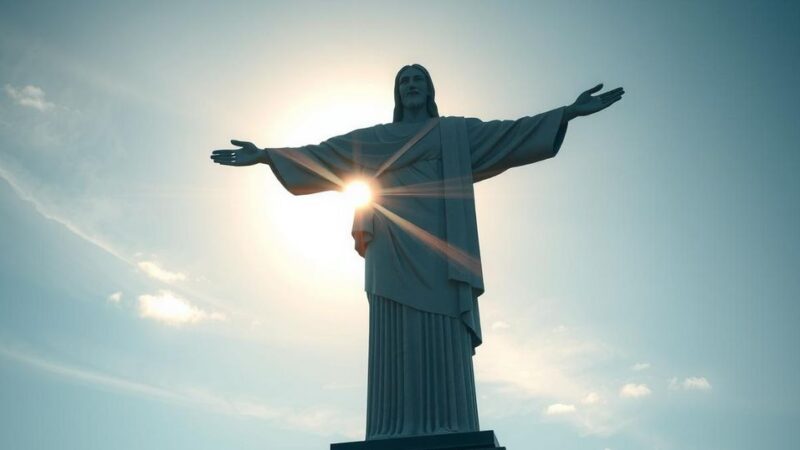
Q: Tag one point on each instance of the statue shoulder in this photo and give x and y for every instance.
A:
(451, 118)
(467, 120)
(357, 134)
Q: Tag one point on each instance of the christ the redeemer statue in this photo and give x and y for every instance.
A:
(419, 240)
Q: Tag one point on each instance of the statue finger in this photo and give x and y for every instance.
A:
(607, 98)
(222, 152)
(240, 143)
(611, 95)
(594, 89)
(612, 92)
(618, 95)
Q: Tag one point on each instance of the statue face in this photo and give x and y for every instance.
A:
(413, 88)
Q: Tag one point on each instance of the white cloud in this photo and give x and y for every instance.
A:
(168, 308)
(690, 384)
(560, 329)
(592, 398)
(696, 383)
(29, 96)
(115, 297)
(673, 384)
(632, 390)
(558, 409)
(500, 325)
(154, 270)
(640, 366)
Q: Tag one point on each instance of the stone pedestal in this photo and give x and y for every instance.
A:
(478, 440)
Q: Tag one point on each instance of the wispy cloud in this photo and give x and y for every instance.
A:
(86, 375)
(592, 398)
(339, 385)
(29, 96)
(673, 384)
(696, 383)
(632, 390)
(535, 367)
(558, 409)
(640, 366)
(44, 209)
(546, 373)
(116, 297)
(690, 384)
(154, 270)
(315, 419)
(500, 325)
(168, 308)
(47, 213)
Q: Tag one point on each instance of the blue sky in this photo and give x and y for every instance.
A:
(642, 286)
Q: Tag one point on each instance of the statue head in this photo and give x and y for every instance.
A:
(413, 88)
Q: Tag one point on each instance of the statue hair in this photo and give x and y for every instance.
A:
(430, 102)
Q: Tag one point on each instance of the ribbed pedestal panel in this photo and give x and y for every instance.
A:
(420, 379)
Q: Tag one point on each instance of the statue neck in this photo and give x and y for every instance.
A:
(411, 115)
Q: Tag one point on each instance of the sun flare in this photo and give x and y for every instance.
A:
(358, 193)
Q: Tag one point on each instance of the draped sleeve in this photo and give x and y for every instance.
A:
(499, 145)
(316, 168)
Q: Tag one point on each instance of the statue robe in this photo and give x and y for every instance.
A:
(422, 258)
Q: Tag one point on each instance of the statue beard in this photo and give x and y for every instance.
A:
(414, 102)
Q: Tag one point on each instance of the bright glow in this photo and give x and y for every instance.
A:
(358, 193)
(312, 231)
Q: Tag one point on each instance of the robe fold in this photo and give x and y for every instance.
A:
(420, 238)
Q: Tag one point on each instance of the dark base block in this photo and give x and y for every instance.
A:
(478, 440)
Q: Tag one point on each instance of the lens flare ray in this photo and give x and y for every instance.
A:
(305, 161)
(429, 189)
(461, 257)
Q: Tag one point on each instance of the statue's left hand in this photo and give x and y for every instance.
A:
(587, 104)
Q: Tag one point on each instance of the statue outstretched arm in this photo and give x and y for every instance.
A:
(499, 145)
(301, 170)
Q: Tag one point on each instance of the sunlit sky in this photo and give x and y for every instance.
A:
(642, 287)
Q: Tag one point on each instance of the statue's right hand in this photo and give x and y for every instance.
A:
(247, 155)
